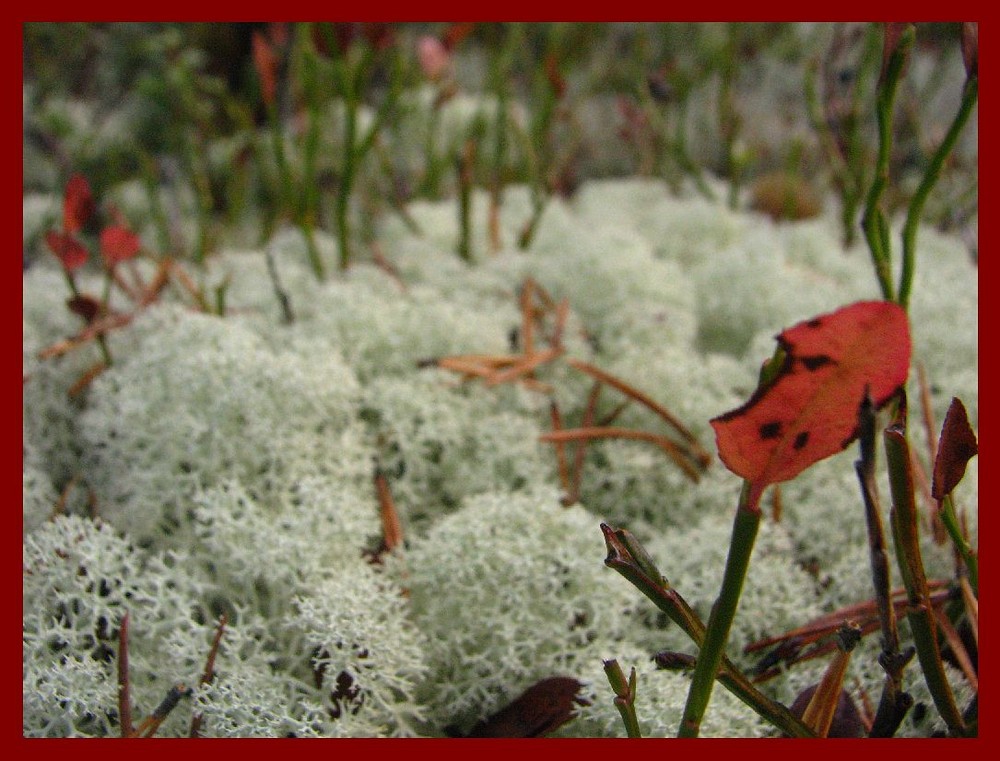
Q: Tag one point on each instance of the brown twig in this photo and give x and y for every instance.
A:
(209, 672)
(699, 454)
(87, 378)
(148, 726)
(556, 418)
(124, 692)
(97, 328)
(581, 447)
(523, 367)
(382, 262)
(392, 530)
(668, 446)
(792, 646)
(971, 607)
(958, 649)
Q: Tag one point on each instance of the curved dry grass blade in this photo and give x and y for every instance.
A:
(526, 365)
(703, 457)
(582, 434)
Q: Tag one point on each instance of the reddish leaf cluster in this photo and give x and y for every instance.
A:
(78, 208)
(117, 242)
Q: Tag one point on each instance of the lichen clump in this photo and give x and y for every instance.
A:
(224, 465)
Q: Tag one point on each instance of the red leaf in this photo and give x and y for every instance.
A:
(118, 244)
(78, 204)
(809, 411)
(86, 306)
(71, 253)
(265, 60)
(956, 447)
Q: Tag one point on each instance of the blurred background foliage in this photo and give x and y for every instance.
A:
(178, 106)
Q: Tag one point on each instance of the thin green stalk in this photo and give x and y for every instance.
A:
(967, 553)
(624, 690)
(874, 223)
(465, 161)
(147, 165)
(627, 557)
(347, 171)
(720, 621)
(102, 341)
(905, 529)
(894, 702)
(970, 95)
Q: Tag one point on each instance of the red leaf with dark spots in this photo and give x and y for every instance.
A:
(809, 410)
(956, 447)
(541, 709)
(118, 244)
(78, 204)
(71, 252)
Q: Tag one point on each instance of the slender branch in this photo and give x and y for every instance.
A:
(720, 620)
(905, 525)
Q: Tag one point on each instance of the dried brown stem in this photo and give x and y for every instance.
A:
(392, 530)
(556, 417)
(96, 328)
(383, 263)
(523, 367)
(958, 649)
(87, 378)
(971, 607)
(699, 454)
(668, 446)
(581, 448)
(828, 623)
(209, 672)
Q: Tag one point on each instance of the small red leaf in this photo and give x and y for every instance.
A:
(265, 60)
(71, 252)
(85, 306)
(956, 447)
(118, 244)
(78, 204)
(809, 411)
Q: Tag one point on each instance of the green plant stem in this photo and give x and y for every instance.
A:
(905, 529)
(624, 690)
(967, 553)
(347, 171)
(150, 181)
(874, 223)
(894, 702)
(102, 341)
(720, 621)
(970, 95)
(465, 163)
(627, 557)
